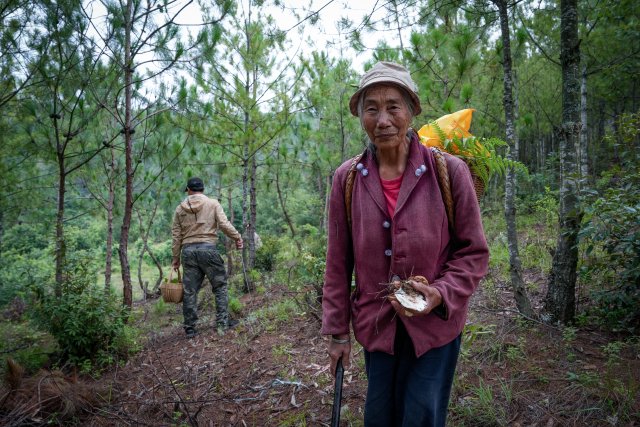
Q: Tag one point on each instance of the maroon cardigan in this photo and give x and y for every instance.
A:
(416, 242)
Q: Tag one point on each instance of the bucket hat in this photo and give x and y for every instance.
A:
(389, 73)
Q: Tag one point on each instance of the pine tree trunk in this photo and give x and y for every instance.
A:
(326, 186)
(584, 137)
(60, 242)
(110, 204)
(517, 284)
(144, 235)
(140, 281)
(560, 298)
(158, 265)
(287, 218)
(245, 198)
(1, 234)
(251, 229)
(228, 243)
(127, 291)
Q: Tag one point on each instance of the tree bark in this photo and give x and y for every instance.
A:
(245, 198)
(287, 218)
(517, 284)
(325, 186)
(228, 243)
(560, 298)
(158, 265)
(583, 157)
(144, 235)
(61, 250)
(251, 226)
(110, 203)
(127, 291)
(1, 234)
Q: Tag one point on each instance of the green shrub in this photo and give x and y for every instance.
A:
(235, 306)
(26, 259)
(87, 323)
(19, 271)
(611, 235)
(267, 254)
(27, 255)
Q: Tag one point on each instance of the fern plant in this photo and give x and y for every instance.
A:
(480, 154)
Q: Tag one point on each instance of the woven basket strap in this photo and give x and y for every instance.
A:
(442, 172)
(171, 270)
(348, 188)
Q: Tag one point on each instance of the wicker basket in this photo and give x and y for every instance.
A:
(172, 292)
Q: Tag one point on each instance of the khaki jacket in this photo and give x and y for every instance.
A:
(197, 220)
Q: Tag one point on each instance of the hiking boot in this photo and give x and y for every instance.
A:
(231, 323)
(191, 332)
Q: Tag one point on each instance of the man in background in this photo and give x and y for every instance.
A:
(196, 222)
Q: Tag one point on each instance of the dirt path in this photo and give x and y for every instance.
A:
(263, 372)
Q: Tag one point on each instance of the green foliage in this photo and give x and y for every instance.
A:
(266, 256)
(611, 236)
(480, 154)
(25, 344)
(87, 323)
(235, 306)
(472, 332)
(26, 259)
(161, 308)
(545, 206)
(19, 271)
(480, 407)
(282, 311)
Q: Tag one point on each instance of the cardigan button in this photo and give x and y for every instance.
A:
(418, 172)
(365, 172)
(359, 166)
(388, 252)
(423, 168)
(386, 224)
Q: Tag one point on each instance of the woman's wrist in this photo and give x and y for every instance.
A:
(340, 339)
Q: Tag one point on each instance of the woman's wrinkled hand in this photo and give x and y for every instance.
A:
(336, 351)
(431, 295)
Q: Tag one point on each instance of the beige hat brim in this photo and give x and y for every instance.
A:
(353, 102)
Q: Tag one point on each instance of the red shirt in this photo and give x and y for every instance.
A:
(391, 189)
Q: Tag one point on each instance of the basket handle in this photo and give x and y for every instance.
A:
(171, 270)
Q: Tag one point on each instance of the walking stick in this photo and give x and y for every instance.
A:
(337, 395)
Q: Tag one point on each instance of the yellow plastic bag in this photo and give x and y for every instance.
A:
(453, 125)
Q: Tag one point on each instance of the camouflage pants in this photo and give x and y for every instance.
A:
(199, 260)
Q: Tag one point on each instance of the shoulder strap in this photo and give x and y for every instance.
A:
(348, 188)
(442, 173)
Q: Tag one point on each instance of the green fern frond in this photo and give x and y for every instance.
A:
(439, 131)
(480, 155)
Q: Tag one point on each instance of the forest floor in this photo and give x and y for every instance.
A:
(272, 370)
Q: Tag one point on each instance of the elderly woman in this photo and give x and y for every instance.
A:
(397, 229)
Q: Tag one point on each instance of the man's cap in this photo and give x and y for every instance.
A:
(389, 73)
(194, 184)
